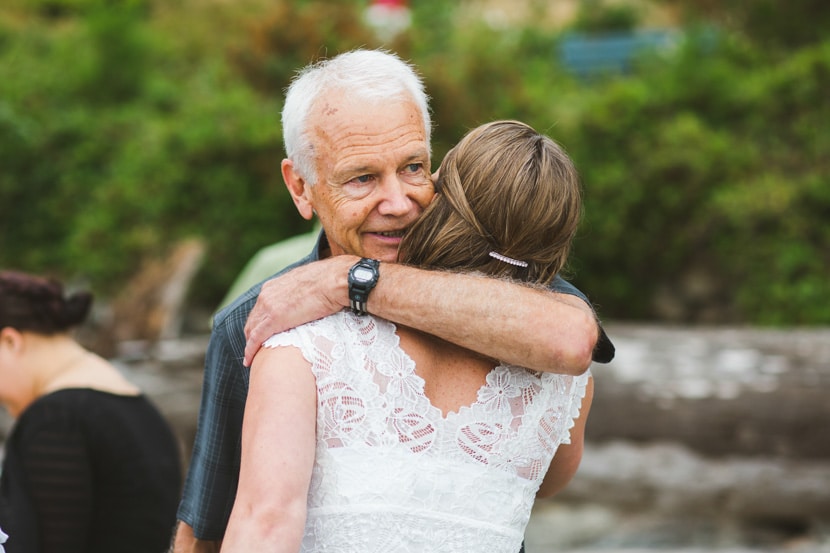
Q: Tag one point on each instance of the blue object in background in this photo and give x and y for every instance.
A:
(588, 54)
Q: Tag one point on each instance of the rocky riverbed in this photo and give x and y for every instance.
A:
(699, 439)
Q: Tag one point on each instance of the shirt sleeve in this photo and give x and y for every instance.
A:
(562, 286)
(213, 474)
(604, 350)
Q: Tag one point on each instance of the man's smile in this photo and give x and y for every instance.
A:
(389, 233)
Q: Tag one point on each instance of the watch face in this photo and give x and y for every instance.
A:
(362, 274)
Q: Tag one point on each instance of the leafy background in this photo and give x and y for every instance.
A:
(129, 125)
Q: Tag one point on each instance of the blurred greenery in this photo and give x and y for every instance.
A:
(128, 125)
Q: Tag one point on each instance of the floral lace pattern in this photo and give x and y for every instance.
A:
(392, 473)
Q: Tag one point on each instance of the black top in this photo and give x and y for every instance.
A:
(89, 471)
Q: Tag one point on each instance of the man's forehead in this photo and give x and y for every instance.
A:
(364, 136)
(336, 107)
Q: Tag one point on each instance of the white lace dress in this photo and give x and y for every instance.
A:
(392, 474)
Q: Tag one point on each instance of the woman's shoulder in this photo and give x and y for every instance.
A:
(54, 414)
(70, 408)
(56, 404)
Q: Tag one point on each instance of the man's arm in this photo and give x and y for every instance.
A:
(516, 324)
(211, 482)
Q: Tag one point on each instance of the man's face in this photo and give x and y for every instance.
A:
(373, 174)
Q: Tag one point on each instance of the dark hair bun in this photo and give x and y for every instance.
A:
(36, 304)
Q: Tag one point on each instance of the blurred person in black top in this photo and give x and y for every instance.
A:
(90, 464)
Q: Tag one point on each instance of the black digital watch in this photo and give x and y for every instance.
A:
(363, 276)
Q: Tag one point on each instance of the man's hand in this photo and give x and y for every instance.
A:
(185, 542)
(301, 295)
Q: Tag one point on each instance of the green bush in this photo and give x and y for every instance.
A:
(103, 174)
(772, 25)
(709, 166)
(123, 131)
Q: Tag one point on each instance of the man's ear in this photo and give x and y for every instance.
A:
(298, 188)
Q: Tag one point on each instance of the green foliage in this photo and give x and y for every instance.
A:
(772, 25)
(709, 165)
(596, 16)
(292, 35)
(119, 68)
(102, 174)
(123, 130)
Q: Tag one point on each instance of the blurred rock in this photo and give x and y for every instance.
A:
(717, 391)
(670, 479)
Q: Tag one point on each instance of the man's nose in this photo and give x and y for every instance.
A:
(395, 199)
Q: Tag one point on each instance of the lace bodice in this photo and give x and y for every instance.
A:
(393, 474)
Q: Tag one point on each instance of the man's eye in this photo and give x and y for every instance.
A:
(362, 179)
(358, 187)
(414, 167)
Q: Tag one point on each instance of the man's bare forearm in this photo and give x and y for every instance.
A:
(529, 327)
(516, 324)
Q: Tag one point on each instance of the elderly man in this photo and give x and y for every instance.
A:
(357, 133)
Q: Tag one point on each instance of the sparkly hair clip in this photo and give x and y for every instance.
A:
(500, 257)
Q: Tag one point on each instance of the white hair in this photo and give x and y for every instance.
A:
(366, 74)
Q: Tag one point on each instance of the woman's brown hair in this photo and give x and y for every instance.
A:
(504, 189)
(36, 304)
